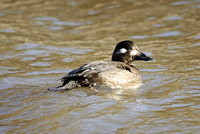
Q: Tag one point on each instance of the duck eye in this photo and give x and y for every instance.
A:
(134, 52)
(121, 51)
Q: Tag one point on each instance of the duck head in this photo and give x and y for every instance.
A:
(126, 51)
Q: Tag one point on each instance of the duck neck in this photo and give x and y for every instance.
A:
(120, 59)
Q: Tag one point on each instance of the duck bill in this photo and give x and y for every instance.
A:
(142, 56)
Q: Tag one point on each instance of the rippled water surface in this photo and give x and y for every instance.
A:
(42, 40)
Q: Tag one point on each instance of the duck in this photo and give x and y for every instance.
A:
(119, 73)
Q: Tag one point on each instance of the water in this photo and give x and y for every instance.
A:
(40, 41)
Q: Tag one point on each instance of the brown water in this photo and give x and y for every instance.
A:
(42, 40)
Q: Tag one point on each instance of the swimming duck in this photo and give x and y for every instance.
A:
(117, 74)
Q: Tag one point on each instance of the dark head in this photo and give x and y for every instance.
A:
(126, 51)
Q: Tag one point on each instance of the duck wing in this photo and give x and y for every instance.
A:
(96, 67)
(85, 70)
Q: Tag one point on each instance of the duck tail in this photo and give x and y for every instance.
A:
(68, 86)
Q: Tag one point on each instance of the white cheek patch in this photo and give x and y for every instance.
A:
(134, 52)
(121, 51)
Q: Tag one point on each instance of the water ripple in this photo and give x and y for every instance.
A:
(179, 3)
(27, 46)
(67, 23)
(7, 30)
(139, 37)
(174, 18)
(157, 25)
(45, 19)
(168, 34)
(94, 12)
(41, 64)
(47, 71)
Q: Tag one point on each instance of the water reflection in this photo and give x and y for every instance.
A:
(174, 18)
(48, 71)
(53, 28)
(197, 37)
(7, 30)
(68, 23)
(139, 37)
(94, 12)
(168, 34)
(45, 19)
(180, 3)
(41, 64)
(157, 25)
(56, 24)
